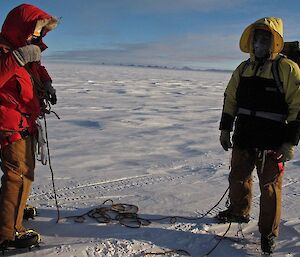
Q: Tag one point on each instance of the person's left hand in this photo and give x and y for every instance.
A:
(287, 150)
(51, 92)
(284, 153)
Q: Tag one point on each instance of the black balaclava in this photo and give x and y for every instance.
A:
(262, 44)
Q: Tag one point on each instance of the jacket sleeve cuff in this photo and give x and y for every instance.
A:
(226, 122)
(18, 57)
(292, 133)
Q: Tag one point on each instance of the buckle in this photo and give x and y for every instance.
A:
(24, 133)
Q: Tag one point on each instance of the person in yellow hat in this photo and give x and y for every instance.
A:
(262, 103)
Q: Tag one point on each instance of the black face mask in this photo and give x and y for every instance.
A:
(262, 43)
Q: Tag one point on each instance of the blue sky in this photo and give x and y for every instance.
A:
(174, 33)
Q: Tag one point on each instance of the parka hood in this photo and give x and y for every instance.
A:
(21, 22)
(273, 24)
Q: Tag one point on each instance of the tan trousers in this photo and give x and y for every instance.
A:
(18, 163)
(270, 181)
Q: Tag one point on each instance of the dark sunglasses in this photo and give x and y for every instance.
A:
(35, 40)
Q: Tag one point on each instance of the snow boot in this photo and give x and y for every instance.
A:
(268, 243)
(29, 238)
(4, 245)
(227, 216)
(29, 212)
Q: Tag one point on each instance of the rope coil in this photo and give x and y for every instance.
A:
(127, 215)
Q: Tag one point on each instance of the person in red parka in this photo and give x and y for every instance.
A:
(25, 87)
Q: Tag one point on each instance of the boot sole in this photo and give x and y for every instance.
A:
(25, 243)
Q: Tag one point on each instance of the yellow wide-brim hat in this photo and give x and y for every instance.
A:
(273, 24)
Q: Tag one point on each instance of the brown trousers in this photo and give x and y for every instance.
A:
(270, 182)
(18, 163)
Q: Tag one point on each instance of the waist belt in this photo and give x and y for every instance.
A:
(261, 114)
(14, 137)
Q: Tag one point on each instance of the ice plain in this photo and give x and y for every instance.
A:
(147, 137)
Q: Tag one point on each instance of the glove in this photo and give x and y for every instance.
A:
(225, 139)
(26, 54)
(286, 151)
(51, 92)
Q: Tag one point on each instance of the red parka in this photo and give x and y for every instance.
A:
(19, 102)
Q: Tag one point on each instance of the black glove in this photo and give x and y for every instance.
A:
(51, 92)
(225, 139)
(26, 54)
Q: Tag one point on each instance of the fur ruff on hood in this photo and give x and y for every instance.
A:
(25, 20)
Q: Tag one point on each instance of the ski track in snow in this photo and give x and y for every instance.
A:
(147, 137)
(87, 191)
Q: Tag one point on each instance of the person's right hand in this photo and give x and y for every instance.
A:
(51, 92)
(225, 139)
(26, 54)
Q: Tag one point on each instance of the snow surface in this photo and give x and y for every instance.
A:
(147, 137)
